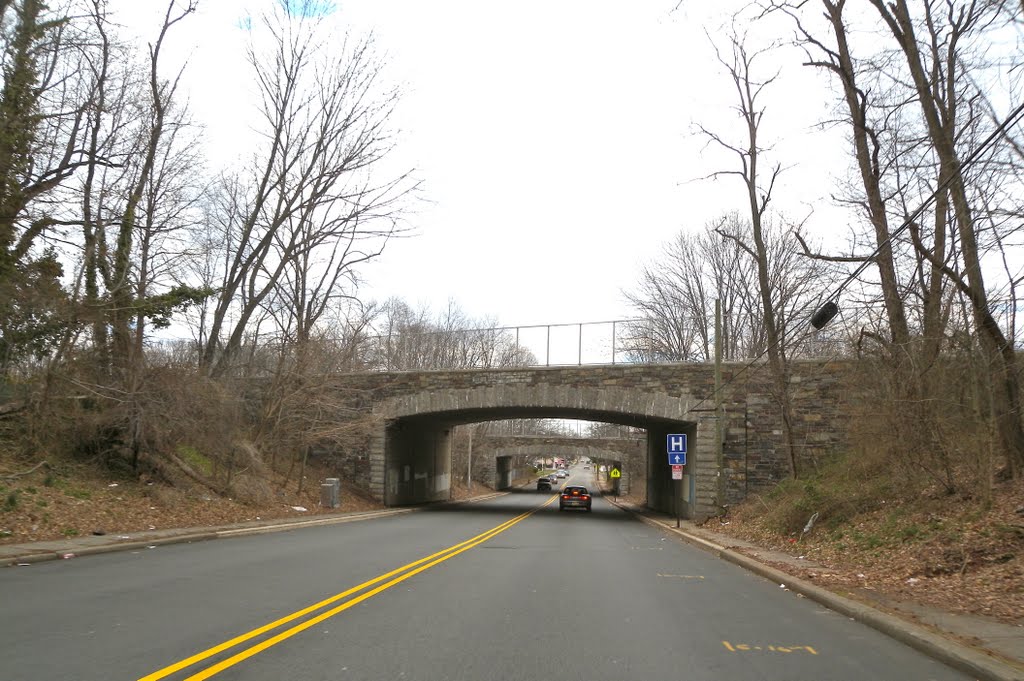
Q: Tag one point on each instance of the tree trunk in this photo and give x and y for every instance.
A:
(941, 124)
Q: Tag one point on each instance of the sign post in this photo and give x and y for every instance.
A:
(679, 499)
(615, 475)
(675, 445)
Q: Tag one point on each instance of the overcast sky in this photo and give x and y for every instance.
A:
(555, 141)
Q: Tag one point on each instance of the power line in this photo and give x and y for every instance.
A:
(969, 161)
(972, 158)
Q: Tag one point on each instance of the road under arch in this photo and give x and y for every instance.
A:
(417, 452)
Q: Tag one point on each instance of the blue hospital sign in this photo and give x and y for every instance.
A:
(675, 444)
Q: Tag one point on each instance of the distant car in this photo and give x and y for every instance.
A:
(544, 483)
(586, 467)
(563, 474)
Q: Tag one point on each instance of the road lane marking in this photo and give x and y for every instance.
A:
(682, 576)
(167, 671)
(444, 554)
(744, 647)
(288, 633)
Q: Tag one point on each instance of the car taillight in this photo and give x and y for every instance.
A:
(586, 496)
(565, 496)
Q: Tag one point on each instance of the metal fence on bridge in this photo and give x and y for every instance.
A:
(623, 341)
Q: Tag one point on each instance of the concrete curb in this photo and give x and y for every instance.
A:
(948, 651)
(312, 522)
(29, 559)
(72, 551)
(206, 534)
(482, 497)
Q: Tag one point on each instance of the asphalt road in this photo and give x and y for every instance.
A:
(512, 589)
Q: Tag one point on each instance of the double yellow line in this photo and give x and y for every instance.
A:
(404, 573)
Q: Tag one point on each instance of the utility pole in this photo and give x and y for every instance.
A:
(469, 460)
(719, 404)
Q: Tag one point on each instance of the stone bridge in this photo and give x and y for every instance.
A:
(409, 450)
(628, 453)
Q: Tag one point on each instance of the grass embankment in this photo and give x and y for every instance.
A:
(904, 535)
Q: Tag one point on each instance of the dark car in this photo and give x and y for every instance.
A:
(574, 496)
(543, 483)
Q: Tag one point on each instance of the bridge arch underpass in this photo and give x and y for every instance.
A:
(416, 451)
(499, 453)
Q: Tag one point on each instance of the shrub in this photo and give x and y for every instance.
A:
(851, 484)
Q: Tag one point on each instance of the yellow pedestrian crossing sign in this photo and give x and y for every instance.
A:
(615, 473)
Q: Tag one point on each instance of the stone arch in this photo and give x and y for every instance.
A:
(410, 457)
(630, 403)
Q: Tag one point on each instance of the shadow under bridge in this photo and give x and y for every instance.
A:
(418, 453)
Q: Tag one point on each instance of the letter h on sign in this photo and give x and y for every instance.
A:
(676, 447)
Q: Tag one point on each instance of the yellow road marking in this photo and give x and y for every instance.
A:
(260, 647)
(447, 553)
(733, 647)
(682, 576)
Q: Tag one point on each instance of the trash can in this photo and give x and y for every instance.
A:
(330, 493)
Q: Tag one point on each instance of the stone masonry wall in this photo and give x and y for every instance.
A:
(633, 395)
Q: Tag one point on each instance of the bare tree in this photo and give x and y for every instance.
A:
(76, 110)
(916, 105)
(141, 127)
(867, 146)
(934, 65)
(130, 196)
(675, 299)
(124, 289)
(308, 209)
(408, 338)
(749, 153)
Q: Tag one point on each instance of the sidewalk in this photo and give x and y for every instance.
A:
(983, 648)
(73, 547)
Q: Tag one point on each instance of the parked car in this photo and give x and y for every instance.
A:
(544, 483)
(574, 496)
